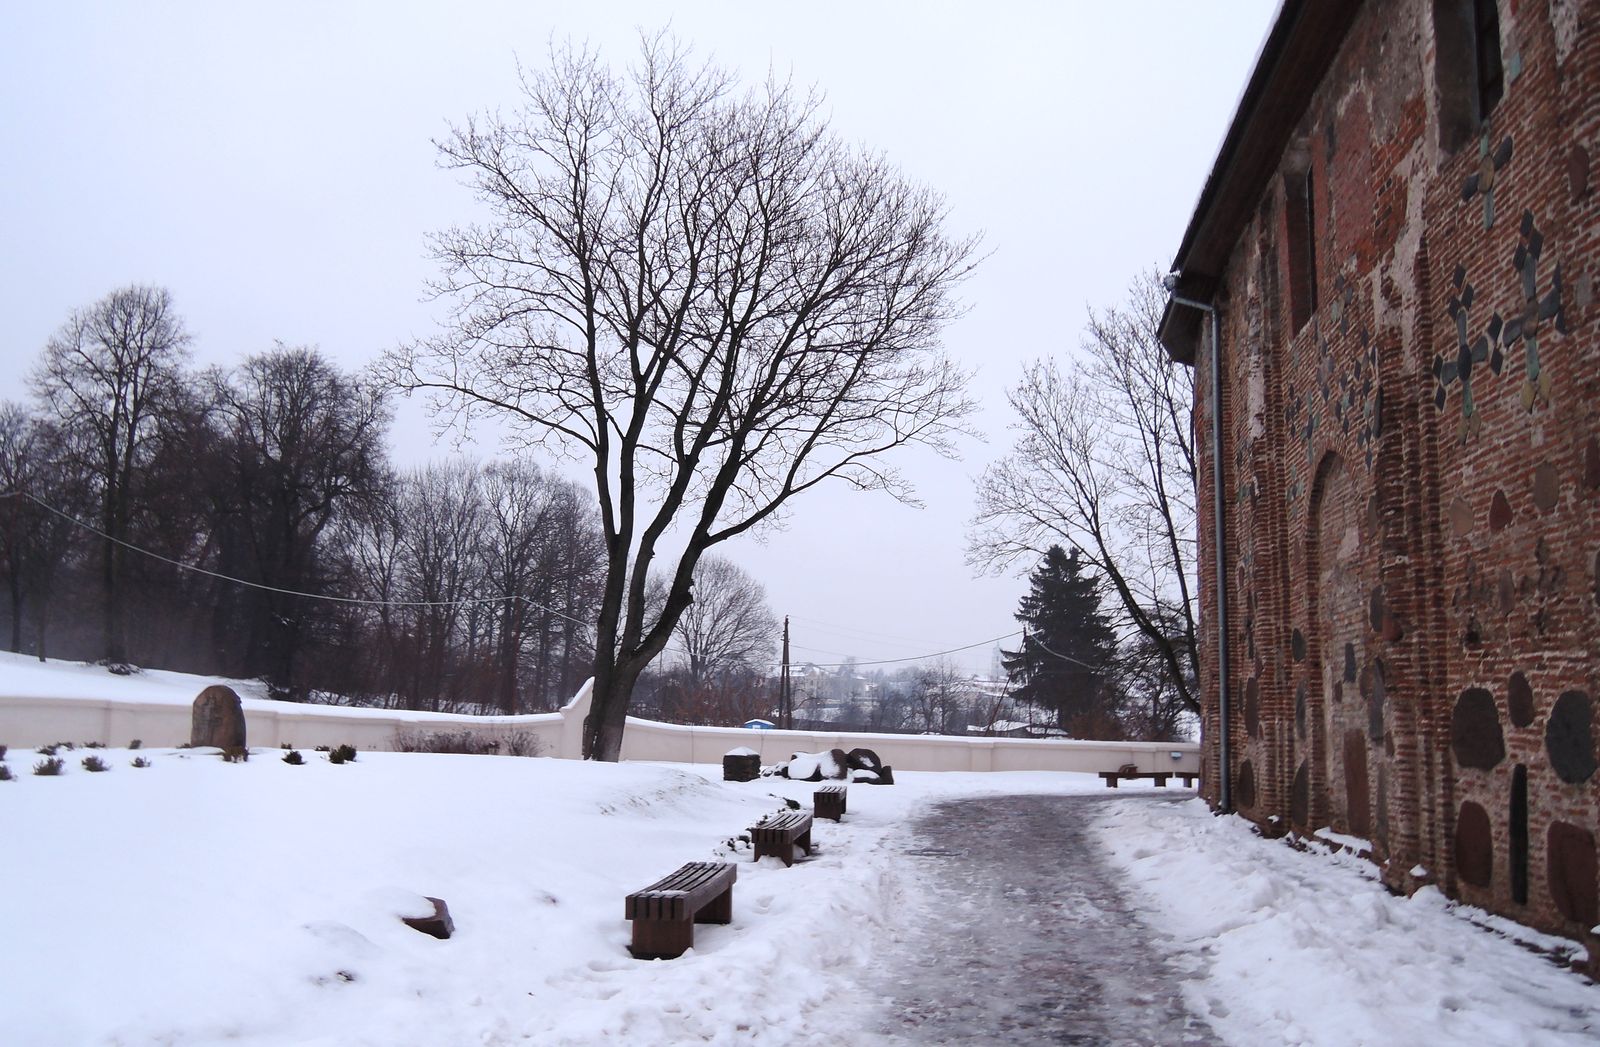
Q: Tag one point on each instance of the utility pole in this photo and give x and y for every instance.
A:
(785, 710)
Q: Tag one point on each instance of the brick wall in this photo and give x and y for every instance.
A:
(1412, 478)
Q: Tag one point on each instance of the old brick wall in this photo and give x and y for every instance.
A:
(1412, 477)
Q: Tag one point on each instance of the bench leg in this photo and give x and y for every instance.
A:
(805, 841)
(782, 850)
(1161, 780)
(717, 910)
(1111, 783)
(661, 939)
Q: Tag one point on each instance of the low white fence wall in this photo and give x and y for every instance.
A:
(27, 722)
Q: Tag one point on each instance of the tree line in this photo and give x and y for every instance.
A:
(450, 586)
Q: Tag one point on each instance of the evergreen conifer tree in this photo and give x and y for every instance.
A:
(1065, 662)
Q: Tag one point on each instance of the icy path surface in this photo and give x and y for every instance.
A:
(1018, 934)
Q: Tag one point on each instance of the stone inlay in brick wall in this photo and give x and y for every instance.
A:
(1357, 789)
(1475, 734)
(1245, 788)
(1377, 698)
(1499, 511)
(1570, 870)
(1474, 845)
(1519, 700)
(1546, 487)
(1569, 737)
(1300, 796)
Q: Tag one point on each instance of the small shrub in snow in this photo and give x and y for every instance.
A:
(235, 754)
(47, 750)
(794, 805)
(94, 745)
(293, 757)
(5, 773)
(2, 752)
(136, 743)
(343, 754)
(472, 743)
(139, 761)
(94, 763)
(324, 748)
(49, 767)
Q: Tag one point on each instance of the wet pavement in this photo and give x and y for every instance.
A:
(1021, 935)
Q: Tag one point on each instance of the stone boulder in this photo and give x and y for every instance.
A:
(437, 923)
(218, 719)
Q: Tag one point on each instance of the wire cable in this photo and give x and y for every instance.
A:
(358, 600)
(368, 602)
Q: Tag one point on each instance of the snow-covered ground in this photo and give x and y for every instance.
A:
(1304, 947)
(197, 902)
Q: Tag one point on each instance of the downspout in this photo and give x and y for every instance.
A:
(1219, 547)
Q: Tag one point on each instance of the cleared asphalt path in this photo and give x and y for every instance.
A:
(1021, 935)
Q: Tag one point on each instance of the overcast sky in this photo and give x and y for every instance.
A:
(272, 165)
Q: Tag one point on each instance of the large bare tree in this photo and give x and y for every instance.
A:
(109, 378)
(705, 296)
(1104, 462)
(300, 443)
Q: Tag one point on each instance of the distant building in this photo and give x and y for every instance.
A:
(1401, 236)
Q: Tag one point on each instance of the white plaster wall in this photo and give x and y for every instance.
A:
(29, 722)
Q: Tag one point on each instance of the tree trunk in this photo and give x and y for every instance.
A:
(16, 611)
(608, 712)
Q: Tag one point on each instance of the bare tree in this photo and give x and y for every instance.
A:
(702, 294)
(107, 378)
(441, 532)
(1104, 461)
(938, 697)
(729, 626)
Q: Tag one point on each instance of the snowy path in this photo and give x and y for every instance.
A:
(1020, 935)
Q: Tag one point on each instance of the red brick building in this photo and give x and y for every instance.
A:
(1401, 240)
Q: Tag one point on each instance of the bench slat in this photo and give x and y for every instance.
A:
(679, 895)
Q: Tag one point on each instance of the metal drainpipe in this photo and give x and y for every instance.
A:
(1219, 545)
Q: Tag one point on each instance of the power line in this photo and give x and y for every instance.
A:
(367, 602)
(1057, 654)
(362, 601)
(918, 657)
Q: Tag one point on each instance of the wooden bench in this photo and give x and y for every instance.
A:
(829, 801)
(1112, 777)
(779, 834)
(664, 913)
